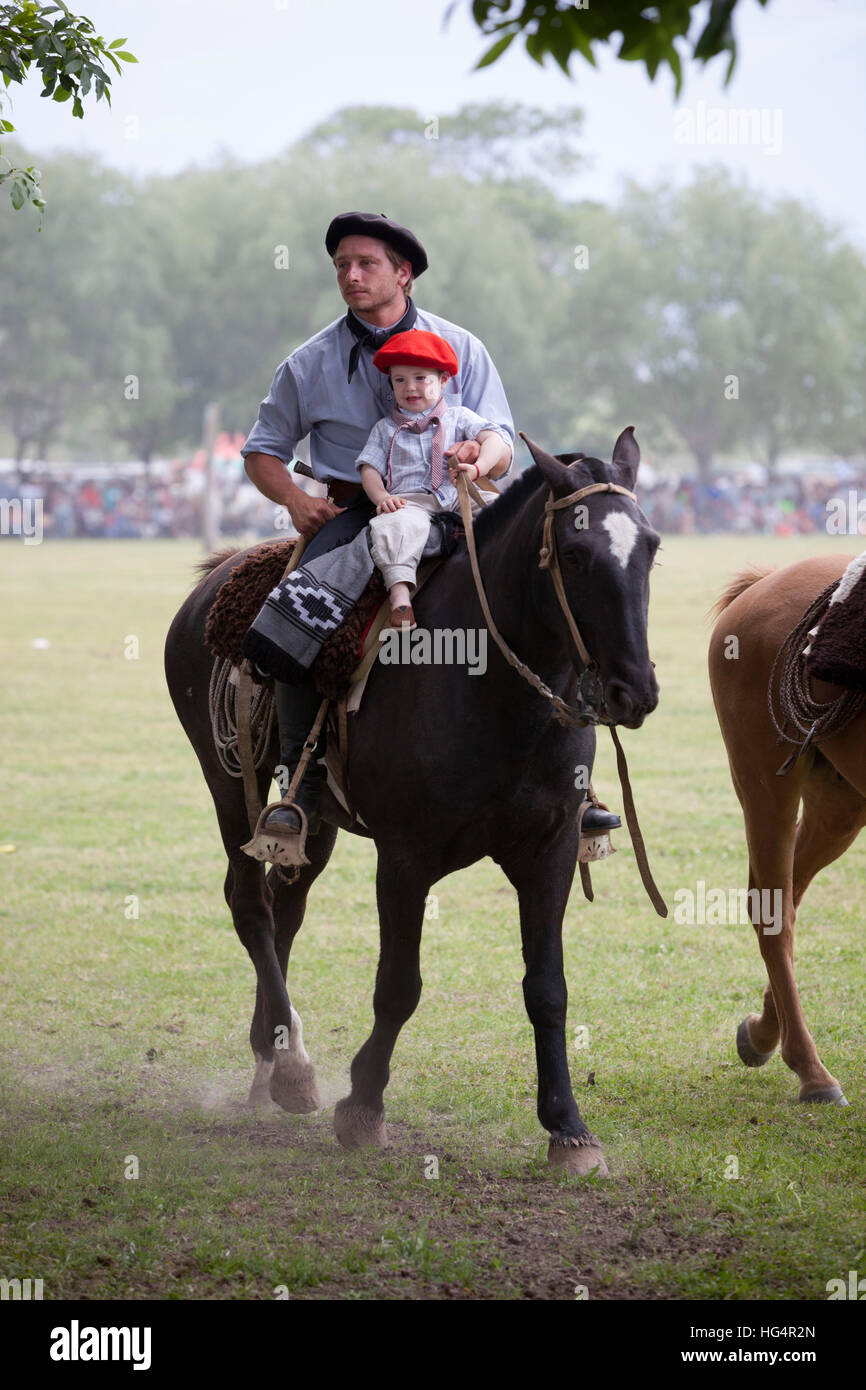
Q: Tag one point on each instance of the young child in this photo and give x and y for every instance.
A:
(406, 466)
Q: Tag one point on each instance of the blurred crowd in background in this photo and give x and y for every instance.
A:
(166, 500)
(784, 506)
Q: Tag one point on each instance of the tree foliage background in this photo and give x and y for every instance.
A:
(597, 316)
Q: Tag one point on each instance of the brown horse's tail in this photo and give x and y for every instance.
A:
(738, 585)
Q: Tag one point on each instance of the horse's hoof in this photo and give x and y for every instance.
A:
(358, 1127)
(293, 1085)
(260, 1093)
(825, 1095)
(748, 1054)
(580, 1156)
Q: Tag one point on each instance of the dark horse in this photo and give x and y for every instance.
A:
(446, 767)
(760, 610)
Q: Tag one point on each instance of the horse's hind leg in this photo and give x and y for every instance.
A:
(834, 813)
(401, 890)
(289, 1078)
(783, 859)
(276, 1025)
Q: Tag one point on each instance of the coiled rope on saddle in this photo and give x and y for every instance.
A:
(222, 701)
(811, 719)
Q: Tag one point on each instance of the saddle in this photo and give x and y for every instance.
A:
(240, 598)
(339, 674)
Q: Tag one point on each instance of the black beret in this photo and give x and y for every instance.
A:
(376, 224)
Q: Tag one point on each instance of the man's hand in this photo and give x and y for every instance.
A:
(309, 514)
(390, 504)
(270, 476)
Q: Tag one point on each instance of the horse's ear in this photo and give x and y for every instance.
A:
(627, 454)
(556, 474)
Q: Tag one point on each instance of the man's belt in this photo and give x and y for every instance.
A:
(340, 491)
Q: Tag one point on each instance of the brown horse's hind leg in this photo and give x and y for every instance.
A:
(834, 813)
(784, 859)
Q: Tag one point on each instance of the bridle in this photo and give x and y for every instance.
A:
(590, 698)
(590, 694)
(590, 690)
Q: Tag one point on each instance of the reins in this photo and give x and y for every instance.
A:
(564, 713)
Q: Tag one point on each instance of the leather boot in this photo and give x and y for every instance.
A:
(297, 707)
(597, 820)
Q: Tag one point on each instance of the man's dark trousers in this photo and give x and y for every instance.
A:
(297, 705)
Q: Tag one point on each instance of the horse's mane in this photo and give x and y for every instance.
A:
(497, 514)
(738, 585)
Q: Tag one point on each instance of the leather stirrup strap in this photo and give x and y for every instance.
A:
(343, 745)
(309, 744)
(243, 707)
(585, 875)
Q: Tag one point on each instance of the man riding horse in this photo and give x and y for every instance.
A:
(324, 400)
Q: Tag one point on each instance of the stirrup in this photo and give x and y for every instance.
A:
(278, 844)
(592, 847)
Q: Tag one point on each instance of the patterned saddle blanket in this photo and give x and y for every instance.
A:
(240, 599)
(315, 622)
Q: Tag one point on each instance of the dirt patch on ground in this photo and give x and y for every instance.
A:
(275, 1193)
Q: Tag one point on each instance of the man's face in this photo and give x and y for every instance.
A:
(416, 388)
(367, 279)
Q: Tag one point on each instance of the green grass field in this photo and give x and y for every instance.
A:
(127, 1000)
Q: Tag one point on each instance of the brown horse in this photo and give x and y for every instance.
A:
(759, 609)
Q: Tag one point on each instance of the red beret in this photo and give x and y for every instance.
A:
(417, 348)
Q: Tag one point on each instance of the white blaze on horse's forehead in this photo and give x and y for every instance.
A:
(623, 534)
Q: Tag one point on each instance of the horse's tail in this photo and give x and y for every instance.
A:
(215, 559)
(738, 585)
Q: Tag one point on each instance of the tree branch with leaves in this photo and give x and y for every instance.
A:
(648, 33)
(72, 60)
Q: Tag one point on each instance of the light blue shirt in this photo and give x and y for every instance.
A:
(310, 398)
(412, 459)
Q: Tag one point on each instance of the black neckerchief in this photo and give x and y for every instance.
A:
(372, 338)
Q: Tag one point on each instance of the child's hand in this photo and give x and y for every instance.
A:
(390, 504)
(462, 458)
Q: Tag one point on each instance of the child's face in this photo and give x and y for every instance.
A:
(417, 388)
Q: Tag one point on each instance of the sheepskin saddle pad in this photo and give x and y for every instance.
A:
(838, 650)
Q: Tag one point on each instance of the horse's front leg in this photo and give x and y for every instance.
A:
(543, 880)
(401, 890)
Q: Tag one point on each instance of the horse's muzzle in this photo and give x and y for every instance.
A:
(627, 705)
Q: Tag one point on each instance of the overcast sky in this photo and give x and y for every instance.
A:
(250, 76)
